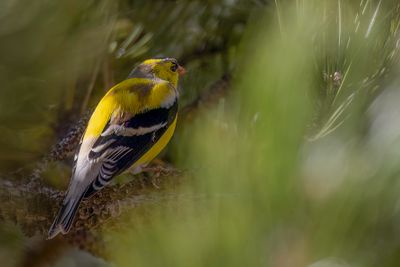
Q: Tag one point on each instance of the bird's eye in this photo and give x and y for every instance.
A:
(174, 67)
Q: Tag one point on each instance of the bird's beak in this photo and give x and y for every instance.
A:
(181, 71)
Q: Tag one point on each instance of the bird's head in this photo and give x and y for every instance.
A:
(166, 69)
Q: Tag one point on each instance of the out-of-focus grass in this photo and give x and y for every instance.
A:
(297, 167)
(44, 47)
(262, 193)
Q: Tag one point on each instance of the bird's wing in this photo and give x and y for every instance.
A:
(125, 141)
(127, 122)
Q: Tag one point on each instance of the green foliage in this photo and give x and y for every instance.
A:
(263, 193)
(298, 166)
(57, 59)
(42, 49)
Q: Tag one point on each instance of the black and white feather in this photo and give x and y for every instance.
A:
(115, 150)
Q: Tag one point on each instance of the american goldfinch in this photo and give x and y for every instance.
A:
(130, 126)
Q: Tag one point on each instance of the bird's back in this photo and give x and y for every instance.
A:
(131, 124)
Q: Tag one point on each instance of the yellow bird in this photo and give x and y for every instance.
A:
(130, 126)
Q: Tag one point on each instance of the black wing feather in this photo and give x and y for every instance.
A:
(120, 152)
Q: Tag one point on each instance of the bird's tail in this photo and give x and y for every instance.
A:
(63, 221)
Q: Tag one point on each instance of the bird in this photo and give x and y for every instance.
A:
(130, 126)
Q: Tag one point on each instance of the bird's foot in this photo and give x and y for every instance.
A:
(157, 170)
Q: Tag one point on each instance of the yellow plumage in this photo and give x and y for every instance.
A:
(130, 126)
(125, 96)
(157, 147)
